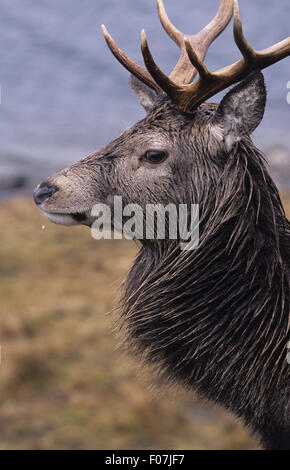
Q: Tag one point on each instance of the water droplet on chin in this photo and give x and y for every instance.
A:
(43, 227)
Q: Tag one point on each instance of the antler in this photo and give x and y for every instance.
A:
(190, 96)
(185, 95)
(184, 72)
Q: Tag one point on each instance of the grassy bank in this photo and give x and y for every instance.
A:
(64, 383)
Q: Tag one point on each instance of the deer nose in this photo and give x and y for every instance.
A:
(43, 192)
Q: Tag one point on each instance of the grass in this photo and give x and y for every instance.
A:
(64, 382)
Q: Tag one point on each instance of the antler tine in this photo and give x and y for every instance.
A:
(165, 82)
(138, 71)
(200, 66)
(246, 49)
(170, 29)
(267, 57)
(184, 72)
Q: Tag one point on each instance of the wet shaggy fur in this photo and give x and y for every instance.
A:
(217, 318)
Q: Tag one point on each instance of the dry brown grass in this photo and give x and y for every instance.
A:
(64, 383)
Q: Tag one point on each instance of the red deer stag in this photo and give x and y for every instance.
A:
(215, 318)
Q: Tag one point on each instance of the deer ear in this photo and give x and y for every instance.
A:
(146, 96)
(241, 110)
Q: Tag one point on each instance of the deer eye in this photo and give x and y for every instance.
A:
(155, 156)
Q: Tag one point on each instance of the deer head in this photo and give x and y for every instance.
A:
(181, 138)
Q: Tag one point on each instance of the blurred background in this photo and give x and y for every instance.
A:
(64, 382)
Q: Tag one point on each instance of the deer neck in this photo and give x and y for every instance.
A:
(216, 318)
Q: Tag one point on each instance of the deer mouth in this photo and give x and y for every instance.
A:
(74, 218)
(43, 194)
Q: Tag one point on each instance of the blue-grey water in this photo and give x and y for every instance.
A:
(64, 94)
